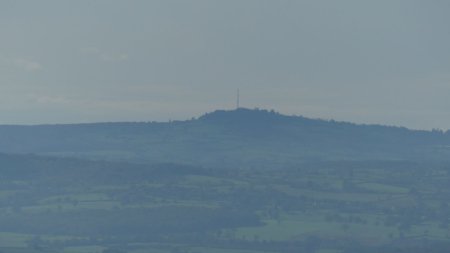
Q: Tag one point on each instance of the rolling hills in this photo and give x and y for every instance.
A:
(242, 137)
(70, 205)
(229, 181)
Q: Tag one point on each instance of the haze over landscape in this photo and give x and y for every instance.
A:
(382, 62)
(121, 130)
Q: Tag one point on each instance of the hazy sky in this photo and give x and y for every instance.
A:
(383, 61)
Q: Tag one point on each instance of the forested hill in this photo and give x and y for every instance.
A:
(241, 137)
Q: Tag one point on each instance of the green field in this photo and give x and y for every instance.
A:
(313, 207)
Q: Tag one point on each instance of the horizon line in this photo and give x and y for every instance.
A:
(217, 110)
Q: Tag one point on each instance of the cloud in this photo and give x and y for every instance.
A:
(20, 63)
(51, 100)
(90, 50)
(26, 64)
(105, 56)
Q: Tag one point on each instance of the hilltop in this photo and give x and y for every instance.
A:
(242, 137)
(331, 187)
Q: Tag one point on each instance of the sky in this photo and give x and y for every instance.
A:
(384, 61)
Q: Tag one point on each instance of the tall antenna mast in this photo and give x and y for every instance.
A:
(237, 99)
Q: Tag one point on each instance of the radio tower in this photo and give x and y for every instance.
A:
(237, 99)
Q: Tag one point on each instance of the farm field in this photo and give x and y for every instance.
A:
(321, 207)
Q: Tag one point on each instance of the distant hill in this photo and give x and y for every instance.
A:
(66, 171)
(242, 137)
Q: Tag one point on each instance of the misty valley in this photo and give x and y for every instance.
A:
(240, 181)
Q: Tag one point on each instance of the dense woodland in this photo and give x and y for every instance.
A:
(256, 181)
